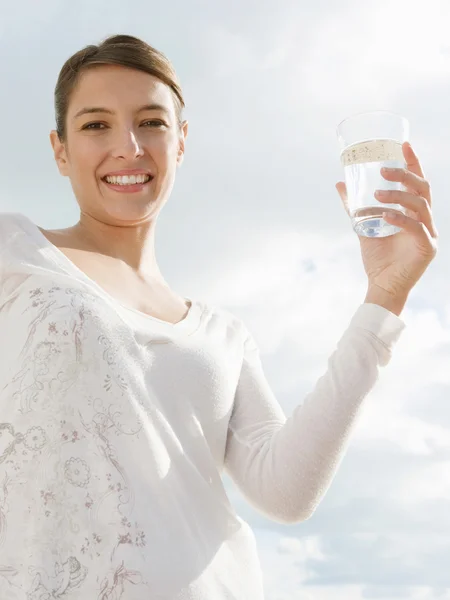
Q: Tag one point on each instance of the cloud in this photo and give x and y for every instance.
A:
(371, 51)
(386, 560)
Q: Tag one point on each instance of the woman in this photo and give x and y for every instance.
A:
(121, 402)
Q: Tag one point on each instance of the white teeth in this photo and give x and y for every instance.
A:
(127, 179)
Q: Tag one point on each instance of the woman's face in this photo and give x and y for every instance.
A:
(127, 134)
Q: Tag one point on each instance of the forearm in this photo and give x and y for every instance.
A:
(395, 304)
(284, 467)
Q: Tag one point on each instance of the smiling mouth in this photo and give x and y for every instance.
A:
(125, 182)
(128, 188)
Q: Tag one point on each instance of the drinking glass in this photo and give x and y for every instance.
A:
(368, 142)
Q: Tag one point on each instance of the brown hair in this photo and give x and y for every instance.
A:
(124, 50)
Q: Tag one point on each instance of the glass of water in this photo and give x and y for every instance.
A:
(368, 142)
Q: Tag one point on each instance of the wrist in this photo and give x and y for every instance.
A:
(393, 303)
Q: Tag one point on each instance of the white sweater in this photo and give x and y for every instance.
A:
(115, 428)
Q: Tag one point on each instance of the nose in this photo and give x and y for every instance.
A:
(127, 144)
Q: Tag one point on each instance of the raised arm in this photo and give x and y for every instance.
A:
(284, 466)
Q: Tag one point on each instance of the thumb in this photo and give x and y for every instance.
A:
(342, 191)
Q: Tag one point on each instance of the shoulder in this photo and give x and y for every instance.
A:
(10, 227)
(14, 229)
(218, 314)
(10, 224)
(226, 322)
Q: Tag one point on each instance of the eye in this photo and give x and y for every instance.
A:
(90, 125)
(157, 122)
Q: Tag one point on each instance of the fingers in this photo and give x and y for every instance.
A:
(427, 243)
(410, 180)
(412, 161)
(414, 203)
(342, 191)
(341, 188)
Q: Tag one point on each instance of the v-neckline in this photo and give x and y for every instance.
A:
(54, 253)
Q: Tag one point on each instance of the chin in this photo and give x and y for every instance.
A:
(130, 212)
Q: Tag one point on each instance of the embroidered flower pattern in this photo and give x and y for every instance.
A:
(77, 472)
(35, 438)
(71, 391)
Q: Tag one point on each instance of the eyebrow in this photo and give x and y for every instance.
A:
(100, 109)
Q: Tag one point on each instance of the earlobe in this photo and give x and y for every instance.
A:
(180, 156)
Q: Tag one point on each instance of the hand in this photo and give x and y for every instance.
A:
(395, 263)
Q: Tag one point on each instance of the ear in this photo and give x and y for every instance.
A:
(60, 153)
(181, 147)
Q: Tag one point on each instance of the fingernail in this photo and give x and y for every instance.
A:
(390, 215)
(388, 169)
(381, 192)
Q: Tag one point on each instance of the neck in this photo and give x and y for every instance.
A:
(134, 245)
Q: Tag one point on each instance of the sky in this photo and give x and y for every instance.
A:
(255, 225)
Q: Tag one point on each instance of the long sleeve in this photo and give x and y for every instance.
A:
(285, 466)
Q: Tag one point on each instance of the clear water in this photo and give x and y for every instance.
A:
(362, 164)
